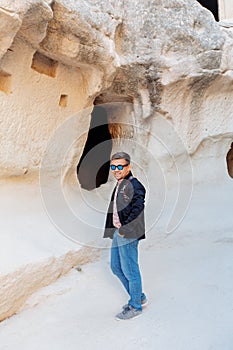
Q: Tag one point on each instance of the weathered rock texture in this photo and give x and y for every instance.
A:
(17, 286)
(164, 67)
(225, 9)
(168, 58)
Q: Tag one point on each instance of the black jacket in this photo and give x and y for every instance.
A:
(130, 207)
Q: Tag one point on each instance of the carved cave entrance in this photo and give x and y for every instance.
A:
(211, 5)
(93, 166)
(229, 159)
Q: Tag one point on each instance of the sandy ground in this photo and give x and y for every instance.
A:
(187, 277)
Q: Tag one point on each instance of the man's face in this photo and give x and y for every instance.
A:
(120, 174)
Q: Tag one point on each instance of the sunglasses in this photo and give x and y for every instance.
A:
(119, 167)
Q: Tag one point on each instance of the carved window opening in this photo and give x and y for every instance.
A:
(63, 101)
(44, 65)
(93, 167)
(229, 159)
(211, 5)
(5, 82)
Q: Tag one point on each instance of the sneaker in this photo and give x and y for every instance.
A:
(128, 313)
(144, 302)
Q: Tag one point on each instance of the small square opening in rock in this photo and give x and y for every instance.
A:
(63, 101)
(44, 65)
(5, 82)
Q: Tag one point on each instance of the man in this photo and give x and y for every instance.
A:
(125, 225)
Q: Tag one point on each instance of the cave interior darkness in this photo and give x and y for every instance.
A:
(211, 5)
(93, 166)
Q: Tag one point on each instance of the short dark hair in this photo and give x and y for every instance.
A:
(121, 155)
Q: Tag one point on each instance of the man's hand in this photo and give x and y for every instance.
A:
(120, 234)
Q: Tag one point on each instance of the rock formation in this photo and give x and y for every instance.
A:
(163, 69)
(167, 58)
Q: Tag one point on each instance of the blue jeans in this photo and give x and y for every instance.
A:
(124, 264)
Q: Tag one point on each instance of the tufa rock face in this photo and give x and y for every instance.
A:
(163, 68)
(8, 20)
(165, 57)
(19, 285)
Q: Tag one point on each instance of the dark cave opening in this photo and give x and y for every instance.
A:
(211, 5)
(229, 159)
(93, 166)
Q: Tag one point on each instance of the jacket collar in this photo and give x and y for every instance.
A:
(128, 176)
(125, 179)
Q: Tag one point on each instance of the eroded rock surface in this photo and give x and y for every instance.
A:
(20, 284)
(168, 58)
(164, 69)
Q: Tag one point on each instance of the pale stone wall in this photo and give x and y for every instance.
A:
(35, 104)
(20, 284)
(225, 9)
(167, 64)
(53, 67)
(42, 85)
